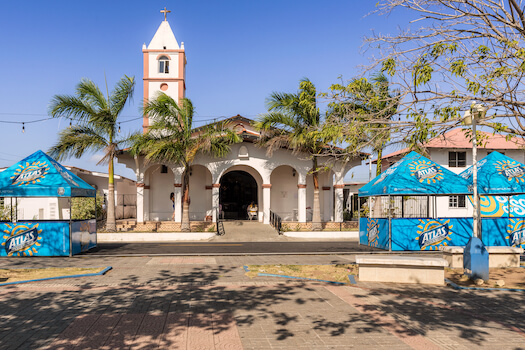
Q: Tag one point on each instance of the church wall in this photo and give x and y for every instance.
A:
(159, 193)
(154, 65)
(200, 197)
(173, 89)
(284, 195)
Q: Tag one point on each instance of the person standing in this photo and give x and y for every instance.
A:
(172, 198)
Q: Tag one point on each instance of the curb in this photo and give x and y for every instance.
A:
(457, 287)
(60, 277)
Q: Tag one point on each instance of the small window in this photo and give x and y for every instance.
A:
(163, 169)
(457, 159)
(456, 201)
(164, 65)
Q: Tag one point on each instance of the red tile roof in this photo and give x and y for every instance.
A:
(456, 138)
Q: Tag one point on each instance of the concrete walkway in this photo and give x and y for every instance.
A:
(209, 303)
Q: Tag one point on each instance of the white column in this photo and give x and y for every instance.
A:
(266, 202)
(178, 202)
(215, 200)
(339, 205)
(140, 202)
(145, 203)
(301, 202)
(326, 214)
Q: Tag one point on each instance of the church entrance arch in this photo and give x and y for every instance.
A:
(238, 189)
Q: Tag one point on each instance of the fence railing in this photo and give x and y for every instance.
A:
(276, 222)
(219, 223)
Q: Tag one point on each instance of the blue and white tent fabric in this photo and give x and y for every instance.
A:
(415, 174)
(498, 174)
(39, 175)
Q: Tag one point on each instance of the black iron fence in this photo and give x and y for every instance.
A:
(276, 222)
(219, 223)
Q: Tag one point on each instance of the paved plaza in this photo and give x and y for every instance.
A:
(209, 303)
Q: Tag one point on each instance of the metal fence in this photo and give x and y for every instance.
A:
(219, 224)
(276, 222)
(396, 207)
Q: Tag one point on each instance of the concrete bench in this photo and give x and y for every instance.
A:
(498, 256)
(401, 269)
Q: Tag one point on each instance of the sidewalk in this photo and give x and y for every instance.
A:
(209, 303)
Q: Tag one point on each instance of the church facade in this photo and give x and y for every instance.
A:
(226, 186)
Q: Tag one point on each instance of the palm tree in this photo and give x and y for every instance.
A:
(97, 128)
(289, 123)
(171, 139)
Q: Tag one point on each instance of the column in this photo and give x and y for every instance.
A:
(301, 202)
(266, 202)
(178, 202)
(339, 205)
(326, 214)
(215, 200)
(140, 202)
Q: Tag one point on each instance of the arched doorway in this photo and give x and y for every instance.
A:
(238, 189)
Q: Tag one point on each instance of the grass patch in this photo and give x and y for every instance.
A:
(334, 273)
(16, 275)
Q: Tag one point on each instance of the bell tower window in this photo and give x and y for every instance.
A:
(164, 65)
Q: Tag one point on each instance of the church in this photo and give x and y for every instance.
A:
(226, 186)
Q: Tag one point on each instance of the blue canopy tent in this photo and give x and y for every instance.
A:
(501, 185)
(38, 222)
(401, 215)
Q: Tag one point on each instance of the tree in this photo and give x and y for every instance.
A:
(452, 53)
(291, 122)
(367, 103)
(172, 139)
(96, 130)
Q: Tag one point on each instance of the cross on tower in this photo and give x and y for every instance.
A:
(165, 13)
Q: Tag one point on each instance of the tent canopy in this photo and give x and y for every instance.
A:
(39, 175)
(498, 174)
(415, 175)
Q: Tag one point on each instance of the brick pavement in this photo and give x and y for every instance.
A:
(209, 303)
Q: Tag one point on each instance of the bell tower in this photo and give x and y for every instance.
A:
(164, 65)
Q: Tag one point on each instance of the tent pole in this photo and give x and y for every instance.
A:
(389, 224)
(358, 218)
(70, 232)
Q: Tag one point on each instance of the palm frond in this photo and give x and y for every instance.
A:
(89, 92)
(70, 107)
(74, 141)
(122, 92)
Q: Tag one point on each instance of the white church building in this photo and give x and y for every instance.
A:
(280, 183)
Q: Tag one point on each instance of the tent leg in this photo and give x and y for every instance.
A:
(389, 224)
(70, 232)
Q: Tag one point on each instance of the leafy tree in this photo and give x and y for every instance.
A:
(369, 105)
(171, 139)
(83, 208)
(292, 121)
(96, 130)
(451, 54)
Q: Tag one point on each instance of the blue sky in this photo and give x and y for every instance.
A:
(238, 52)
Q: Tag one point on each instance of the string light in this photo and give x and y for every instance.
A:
(118, 127)
(70, 122)
(23, 127)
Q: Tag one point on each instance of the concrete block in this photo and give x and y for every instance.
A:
(401, 269)
(501, 256)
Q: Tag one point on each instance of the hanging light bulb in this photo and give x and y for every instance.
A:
(118, 127)
(70, 122)
(23, 127)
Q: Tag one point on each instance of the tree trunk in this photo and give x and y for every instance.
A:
(379, 161)
(316, 217)
(185, 225)
(111, 223)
